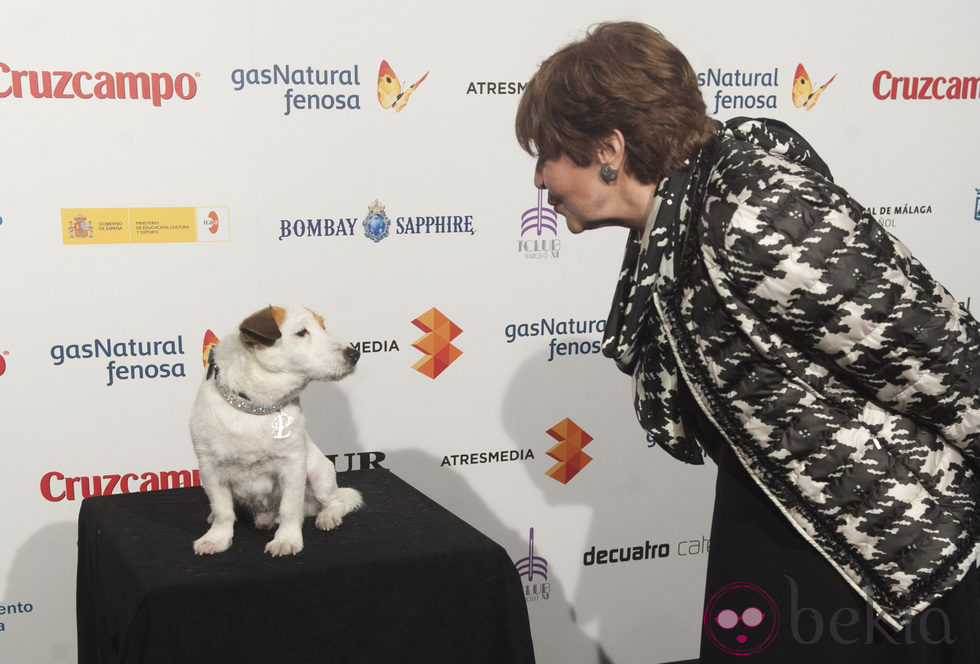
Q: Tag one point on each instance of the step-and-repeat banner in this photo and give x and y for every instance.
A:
(169, 168)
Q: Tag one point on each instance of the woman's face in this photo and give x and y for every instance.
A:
(576, 192)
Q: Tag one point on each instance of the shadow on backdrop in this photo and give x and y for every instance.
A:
(331, 425)
(42, 576)
(636, 495)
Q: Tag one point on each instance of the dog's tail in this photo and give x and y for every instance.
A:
(351, 498)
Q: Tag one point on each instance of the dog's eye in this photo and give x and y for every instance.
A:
(302, 333)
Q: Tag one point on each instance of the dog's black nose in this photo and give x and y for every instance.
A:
(352, 354)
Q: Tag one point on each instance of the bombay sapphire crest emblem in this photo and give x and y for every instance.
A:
(376, 224)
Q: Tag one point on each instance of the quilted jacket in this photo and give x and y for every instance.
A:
(843, 376)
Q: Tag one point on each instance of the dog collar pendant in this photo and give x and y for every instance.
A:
(280, 425)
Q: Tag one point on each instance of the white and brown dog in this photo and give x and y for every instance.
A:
(249, 432)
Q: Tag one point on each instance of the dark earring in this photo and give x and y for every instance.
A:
(608, 173)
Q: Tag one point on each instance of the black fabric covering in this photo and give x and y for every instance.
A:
(402, 580)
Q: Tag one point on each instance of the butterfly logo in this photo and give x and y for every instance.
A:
(210, 341)
(390, 93)
(804, 96)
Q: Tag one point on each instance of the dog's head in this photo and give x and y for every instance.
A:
(294, 339)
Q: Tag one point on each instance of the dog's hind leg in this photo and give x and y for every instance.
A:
(219, 535)
(344, 501)
(334, 504)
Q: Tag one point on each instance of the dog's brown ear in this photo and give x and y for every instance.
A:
(262, 327)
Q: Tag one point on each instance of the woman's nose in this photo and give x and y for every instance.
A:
(538, 180)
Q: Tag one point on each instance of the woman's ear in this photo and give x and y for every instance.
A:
(612, 150)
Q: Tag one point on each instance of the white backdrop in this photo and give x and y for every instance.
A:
(215, 138)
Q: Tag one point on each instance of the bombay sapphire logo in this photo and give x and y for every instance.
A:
(976, 208)
(376, 224)
(534, 569)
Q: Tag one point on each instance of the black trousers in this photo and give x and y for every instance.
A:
(771, 597)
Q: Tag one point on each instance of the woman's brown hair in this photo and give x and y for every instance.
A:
(623, 76)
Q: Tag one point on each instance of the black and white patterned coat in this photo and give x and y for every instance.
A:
(844, 377)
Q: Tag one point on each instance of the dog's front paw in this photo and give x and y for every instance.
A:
(282, 545)
(209, 544)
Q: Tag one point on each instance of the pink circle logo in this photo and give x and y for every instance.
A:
(741, 619)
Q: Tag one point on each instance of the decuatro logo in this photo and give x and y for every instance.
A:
(128, 359)
(62, 84)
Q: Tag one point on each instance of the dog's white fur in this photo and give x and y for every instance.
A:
(278, 480)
